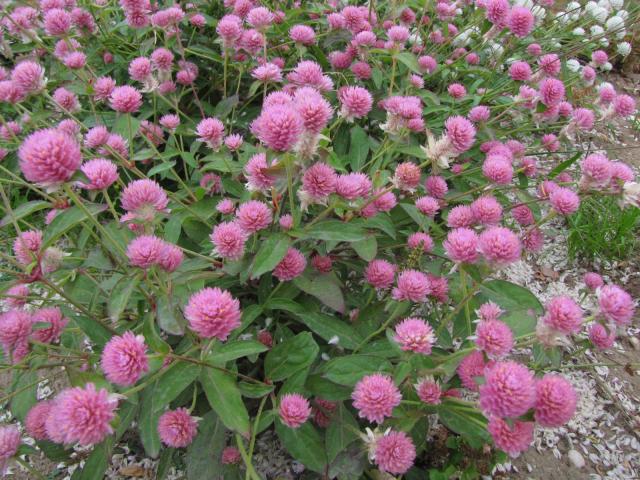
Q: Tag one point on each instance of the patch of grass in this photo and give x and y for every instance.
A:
(601, 229)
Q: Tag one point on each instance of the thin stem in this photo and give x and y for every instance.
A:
(251, 473)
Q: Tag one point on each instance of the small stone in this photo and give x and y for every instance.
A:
(576, 459)
(635, 343)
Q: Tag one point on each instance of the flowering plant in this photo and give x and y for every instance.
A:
(293, 217)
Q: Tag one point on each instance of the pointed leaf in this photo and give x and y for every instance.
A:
(269, 255)
(305, 444)
(290, 356)
(225, 398)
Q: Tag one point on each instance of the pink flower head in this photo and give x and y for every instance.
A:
(229, 239)
(407, 176)
(260, 17)
(16, 296)
(495, 338)
(143, 199)
(309, 73)
(380, 273)
(486, 210)
(96, 136)
(162, 59)
(497, 12)
(520, 21)
(509, 391)
(101, 174)
(624, 105)
(278, 127)
(314, 110)
(498, 169)
(233, 142)
(533, 240)
(384, 201)
(286, 222)
(125, 99)
(124, 359)
(470, 367)
(413, 286)
(550, 64)
(302, 34)
(520, 71)
(35, 421)
(596, 169)
(177, 428)
(49, 157)
(489, 311)
(429, 206)
(9, 443)
(615, 304)
(600, 337)
(145, 251)
(427, 63)
(375, 396)
(588, 74)
(523, 215)
(26, 246)
(398, 34)
(57, 22)
(512, 439)
(170, 121)
(230, 29)
(457, 90)
(599, 57)
(65, 100)
(394, 453)
(213, 312)
(256, 170)
(29, 76)
(356, 102)
(593, 281)
(81, 415)
(294, 410)
(291, 266)
(551, 91)
(606, 93)
(564, 200)
(534, 49)
(322, 263)
(140, 69)
(583, 118)
(429, 391)
(555, 401)
(319, 181)
(420, 240)
(415, 335)
(499, 246)
(550, 142)
(231, 456)
(461, 245)
(211, 131)
(48, 324)
(353, 186)
(436, 186)
(171, 257)
(15, 328)
(212, 183)
(268, 72)
(254, 216)
(460, 216)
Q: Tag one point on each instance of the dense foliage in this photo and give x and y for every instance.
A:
(223, 219)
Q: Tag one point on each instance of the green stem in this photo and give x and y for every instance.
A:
(251, 473)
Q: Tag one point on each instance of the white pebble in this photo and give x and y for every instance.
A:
(576, 459)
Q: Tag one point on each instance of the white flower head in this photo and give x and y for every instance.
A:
(614, 23)
(607, 67)
(578, 31)
(573, 65)
(624, 48)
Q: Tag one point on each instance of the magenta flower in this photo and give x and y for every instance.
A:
(254, 216)
(413, 286)
(499, 246)
(210, 131)
(48, 324)
(394, 453)
(294, 410)
(278, 127)
(429, 206)
(563, 315)
(436, 186)
(26, 246)
(564, 200)
(520, 21)
(593, 281)
(407, 176)
(177, 428)
(302, 34)
(520, 71)
(616, 305)
(319, 181)
(314, 110)
(229, 239)
(124, 359)
(100, 172)
(35, 421)
(551, 91)
(16, 296)
(231, 456)
(509, 391)
(375, 397)
(429, 391)
(486, 211)
(9, 443)
(461, 245)
(495, 338)
(171, 257)
(415, 335)
(460, 216)
(420, 240)
(380, 274)
(125, 99)
(15, 328)
(291, 266)
(498, 169)
(145, 251)
(353, 186)
(624, 105)
(471, 367)
(143, 198)
(356, 102)
(513, 439)
(555, 401)
(600, 337)
(81, 415)
(213, 312)
(29, 76)
(49, 157)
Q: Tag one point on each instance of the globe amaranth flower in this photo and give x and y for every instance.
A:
(394, 453)
(171, 257)
(26, 246)
(593, 281)
(380, 273)
(563, 315)
(429, 206)
(509, 390)
(564, 200)
(429, 391)
(480, 113)
(460, 216)
(29, 76)
(100, 172)
(552, 91)
(520, 71)
(375, 396)
(600, 337)
(353, 186)
(213, 312)
(512, 439)
(229, 239)
(291, 266)
(16, 296)
(486, 210)
(471, 367)
(210, 131)
(124, 359)
(48, 324)
(125, 99)
(302, 34)
(231, 456)
(415, 335)
(49, 157)
(314, 110)
(615, 304)
(279, 127)
(407, 176)
(461, 245)
(498, 169)
(142, 199)
(436, 186)
(356, 102)
(319, 181)
(294, 410)
(495, 338)
(177, 428)
(420, 240)
(15, 328)
(520, 21)
(34, 422)
(81, 415)
(596, 170)
(9, 443)
(145, 251)
(555, 401)
(412, 285)
(253, 216)
(322, 263)
(499, 246)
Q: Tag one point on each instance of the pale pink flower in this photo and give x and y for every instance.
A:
(29, 76)
(26, 246)
(356, 102)
(229, 240)
(600, 337)
(314, 110)
(429, 391)
(125, 99)
(457, 91)
(96, 136)
(170, 121)
(509, 391)
(523, 215)
(353, 186)
(615, 304)
(461, 245)
(380, 273)
(552, 91)
(429, 206)
(498, 169)
(177, 428)
(213, 312)
(471, 367)
(233, 142)
(624, 105)
(254, 216)
(520, 71)
(9, 443)
(593, 281)
(319, 181)
(460, 216)
(407, 176)
(512, 439)
(294, 410)
(145, 251)
(210, 131)
(286, 222)
(291, 266)
(15, 328)
(162, 59)
(49, 157)
(302, 34)
(412, 285)
(143, 199)
(550, 64)
(57, 22)
(460, 132)
(520, 21)
(35, 421)
(101, 174)
(171, 257)
(16, 296)
(48, 324)
(124, 359)
(375, 396)
(555, 401)
(495, 338)
(395, 453)
(420, 240)
(427, 63)
(415, 335)
(278, 127)
(269, 72)
(564, 201)
(499, 246)
(486, 210)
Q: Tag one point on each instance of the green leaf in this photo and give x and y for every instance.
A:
(305, 444)
(561, 167)
(367, 248)
(54, 451)
(167, 318)
(290, 356)
(410, 60)
(359, 148)
(255, 390)
(24, 210)
(336, 231)
(203, 455)
(468, 423)
(324, 287)
(22, 402)
(120, 296)
(148, 423)
(224, 397)
(249, 314)
(238, 349)
(349, 370)
(97, 463)
(271, 252)
(152, 336)
(161, 167)
(66, 220)
(522, 308)
(341, 432)
(323, 388)
(178, 376)
(95, 331)
(224, 107)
